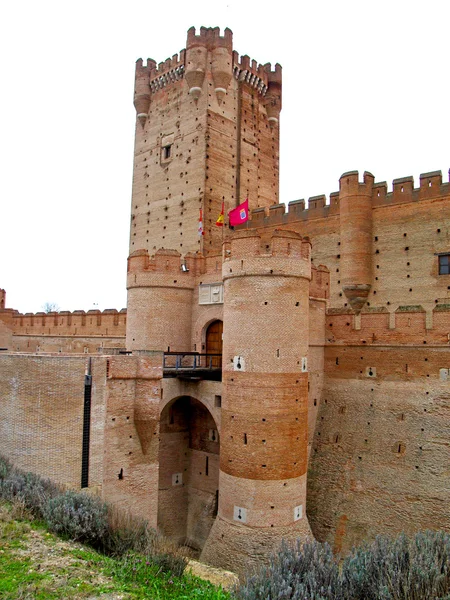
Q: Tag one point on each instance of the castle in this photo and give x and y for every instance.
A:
(284, 379)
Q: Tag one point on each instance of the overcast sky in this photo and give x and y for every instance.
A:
(365, 86)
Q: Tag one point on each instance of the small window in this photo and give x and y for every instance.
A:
(167, 151)
(444, 264)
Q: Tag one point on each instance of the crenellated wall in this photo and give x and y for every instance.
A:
(406, 229)
(69, 332)
(334, 411)
(379, 457)
(431, 186)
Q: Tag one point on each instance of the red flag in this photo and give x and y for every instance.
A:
(220, 218)
(239, 214)
(200, 224)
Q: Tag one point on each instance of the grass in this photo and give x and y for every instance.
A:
(36, 564)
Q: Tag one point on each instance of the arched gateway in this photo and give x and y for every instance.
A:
(188, 471)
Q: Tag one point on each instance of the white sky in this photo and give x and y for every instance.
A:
(365, 86)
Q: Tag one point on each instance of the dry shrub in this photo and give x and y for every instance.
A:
(416, 568)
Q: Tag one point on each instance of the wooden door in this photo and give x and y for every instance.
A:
(214, 342)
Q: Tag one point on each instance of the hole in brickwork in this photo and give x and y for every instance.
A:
(399, 448)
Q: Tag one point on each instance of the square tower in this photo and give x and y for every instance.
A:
(206, 133)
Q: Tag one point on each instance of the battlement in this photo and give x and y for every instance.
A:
(109, 322)
(256, 75)
(210, 38)
(286, 254)
(153, 70)
(166, 261)
(403, 191)
(407, 325)
(282, 243)
(349, 183)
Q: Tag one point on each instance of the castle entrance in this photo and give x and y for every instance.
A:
(214, 343)
(188, 472)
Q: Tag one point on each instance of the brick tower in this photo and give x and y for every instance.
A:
(263, 458)
(206, 133)
(355, 201)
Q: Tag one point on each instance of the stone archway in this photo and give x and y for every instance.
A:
(188, 472)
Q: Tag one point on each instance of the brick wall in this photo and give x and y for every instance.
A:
(41, 414)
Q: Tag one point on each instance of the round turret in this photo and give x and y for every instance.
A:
(196, 55)
(142, 91)
(272, 98)
(159, 302)
(265, 398)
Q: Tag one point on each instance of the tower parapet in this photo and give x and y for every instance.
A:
(160, 292)
(220, 49)
(355, 201)
(265, 398)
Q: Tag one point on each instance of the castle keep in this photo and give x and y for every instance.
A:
(285, 379)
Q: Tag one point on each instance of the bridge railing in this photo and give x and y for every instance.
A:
(191, 361)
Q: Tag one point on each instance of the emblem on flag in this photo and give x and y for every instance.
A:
(220, 218)
(239, 214)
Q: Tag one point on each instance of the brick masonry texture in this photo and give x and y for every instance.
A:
(332, 415)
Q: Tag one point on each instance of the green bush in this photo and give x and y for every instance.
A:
(78, 516)
(405, 568)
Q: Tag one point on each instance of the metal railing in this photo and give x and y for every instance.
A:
(191, 361)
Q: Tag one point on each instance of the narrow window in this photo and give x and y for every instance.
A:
(444, 264)
(167, 151)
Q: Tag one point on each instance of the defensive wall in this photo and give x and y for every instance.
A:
(145, 430)
(333, 414)
(67, 332)
(379, 461)
(407, 229)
